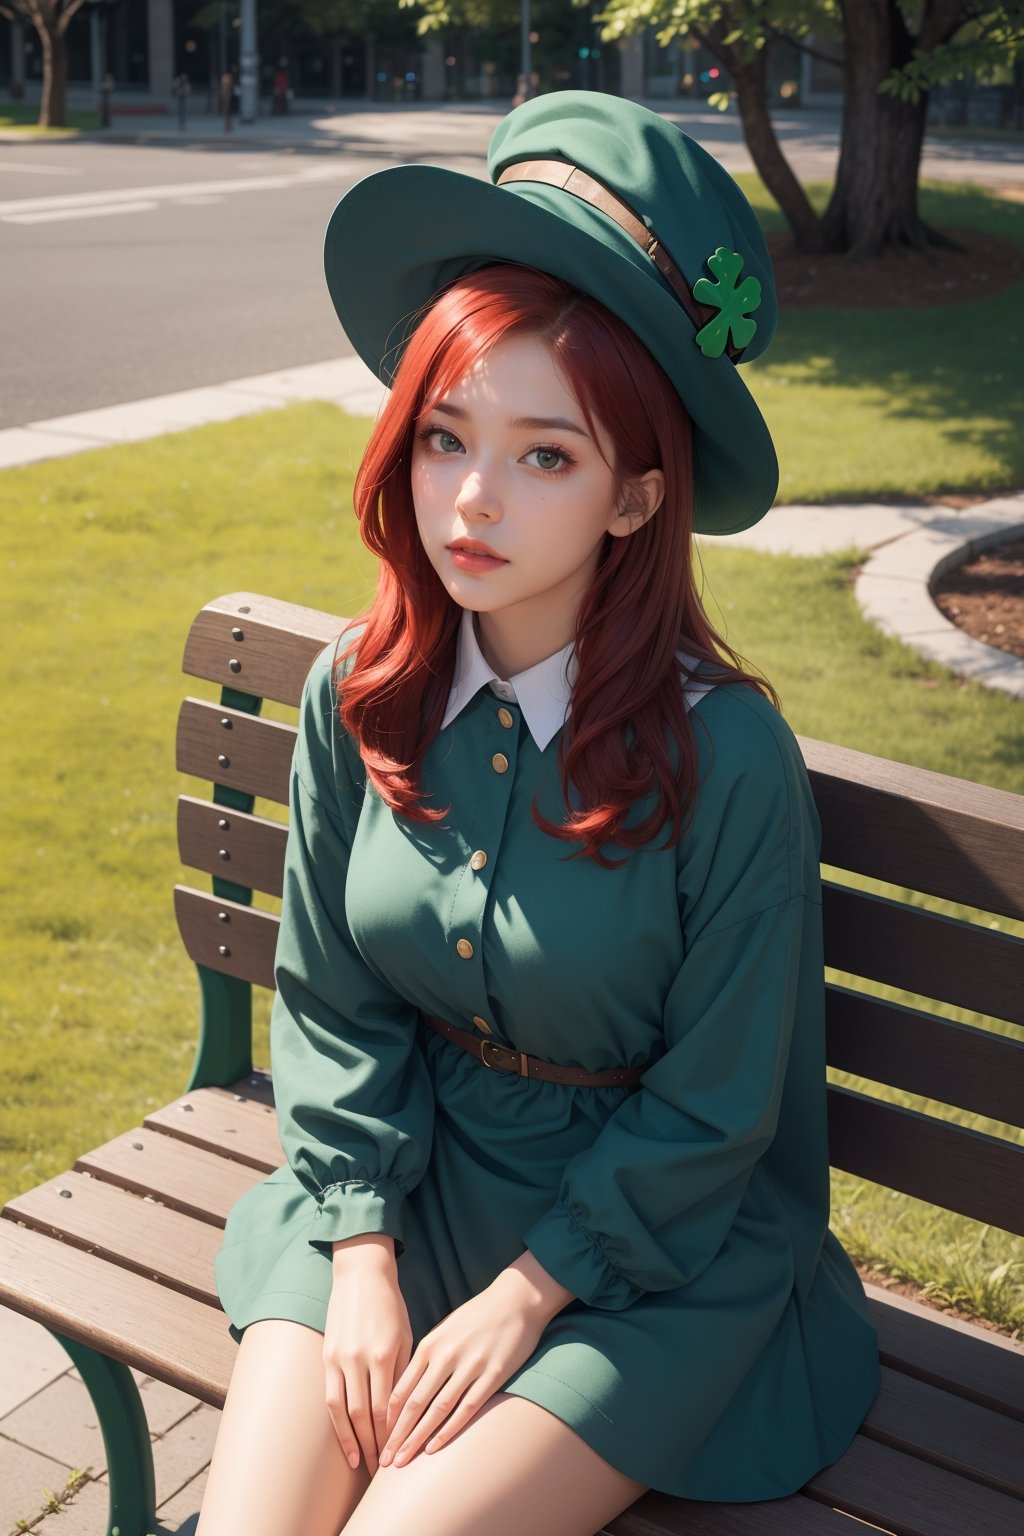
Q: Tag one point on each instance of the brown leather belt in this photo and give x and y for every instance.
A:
(504, 1059)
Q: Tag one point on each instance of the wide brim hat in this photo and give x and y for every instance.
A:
(621, 204)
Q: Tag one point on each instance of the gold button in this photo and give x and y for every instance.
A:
(465, 949)
(478, 860)
(506, 717)
(499, 762)
(481, 1024)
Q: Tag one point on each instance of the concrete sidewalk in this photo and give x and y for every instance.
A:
(906, 547)
(49, 1434)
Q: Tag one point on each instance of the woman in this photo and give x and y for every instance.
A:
(548, 1042)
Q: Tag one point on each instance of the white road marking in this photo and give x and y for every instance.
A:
(175, 191)
(50, 215)
(40, 170)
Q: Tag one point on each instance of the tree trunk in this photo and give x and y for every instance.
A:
(772, 166)
(53, 101)
(874, 201)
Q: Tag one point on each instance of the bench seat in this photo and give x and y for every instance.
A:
(118, 1254)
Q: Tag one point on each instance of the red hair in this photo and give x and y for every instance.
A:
(628, 733)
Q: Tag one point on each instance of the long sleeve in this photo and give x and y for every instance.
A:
(649, 1204)
(354, 1100)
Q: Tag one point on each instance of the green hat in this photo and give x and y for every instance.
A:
(648, 223)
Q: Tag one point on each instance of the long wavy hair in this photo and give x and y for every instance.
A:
(628, 734)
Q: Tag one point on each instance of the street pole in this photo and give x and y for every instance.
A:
(95, 50)
(525, 56)
(250, 64)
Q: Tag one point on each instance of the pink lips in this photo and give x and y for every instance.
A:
(474, 555)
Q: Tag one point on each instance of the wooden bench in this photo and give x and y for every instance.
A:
(116, 1256)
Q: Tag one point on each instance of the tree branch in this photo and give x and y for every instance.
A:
(801, 45)
(942, 19)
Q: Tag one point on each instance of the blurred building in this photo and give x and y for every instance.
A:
(146, 44)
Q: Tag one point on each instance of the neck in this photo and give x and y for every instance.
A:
(512, 647)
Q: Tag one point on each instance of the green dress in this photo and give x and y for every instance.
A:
(720, 1345)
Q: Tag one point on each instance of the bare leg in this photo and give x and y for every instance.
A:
(278, 1468)
(514, 1468)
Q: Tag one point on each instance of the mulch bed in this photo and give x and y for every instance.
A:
(987, 264)
(912, 1292)
(985, 597)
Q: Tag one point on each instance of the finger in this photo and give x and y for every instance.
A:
(339, 1416)
(380, 1396)
(359, 1411)
(396, 1402)
(417, 1403)
(469, 1406)
(432, 1416)
(399, 1399)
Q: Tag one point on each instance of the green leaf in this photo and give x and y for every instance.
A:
(733, 302)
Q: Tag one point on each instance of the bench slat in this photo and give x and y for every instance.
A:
(658, 1514)
(257, 1086)
(150, 1327)
(258, 753)
(916, 1498)
(138, 1234)
(918, 829)
(248, 935)
(942, 1059)
(279, 643)
(949, 1165)
(213, 1119)
(913, 1416)
(924, 952)
(973, 1362)
(246, 849)
(185, 1178)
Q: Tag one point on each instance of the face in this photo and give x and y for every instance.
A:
(514, 499)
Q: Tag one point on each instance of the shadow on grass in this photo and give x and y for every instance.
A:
(956, 366)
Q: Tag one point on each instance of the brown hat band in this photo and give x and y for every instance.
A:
(569, 178)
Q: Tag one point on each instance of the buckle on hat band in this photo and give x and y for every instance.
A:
(570, 178)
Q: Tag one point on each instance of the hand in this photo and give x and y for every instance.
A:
(467, 1357)
(367, 1345)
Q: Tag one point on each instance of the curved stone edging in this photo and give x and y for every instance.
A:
(894, 589)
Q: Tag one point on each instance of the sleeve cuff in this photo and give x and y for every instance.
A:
(354, 1207)
(574, 1258)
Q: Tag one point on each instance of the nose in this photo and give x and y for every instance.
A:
(477, 499)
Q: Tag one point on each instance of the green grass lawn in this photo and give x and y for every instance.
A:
(107, 556)
(898, 402)
(19, 117)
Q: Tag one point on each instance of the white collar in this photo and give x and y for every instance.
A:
(542, 692)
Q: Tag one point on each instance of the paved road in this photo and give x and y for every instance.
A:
(156, 261)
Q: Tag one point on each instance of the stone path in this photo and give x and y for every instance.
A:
(49, 1433)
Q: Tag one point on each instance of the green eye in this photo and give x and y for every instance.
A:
(446, 438)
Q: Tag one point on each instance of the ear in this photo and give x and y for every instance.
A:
(641, 498)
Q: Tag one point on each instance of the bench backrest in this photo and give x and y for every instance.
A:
(925, 833)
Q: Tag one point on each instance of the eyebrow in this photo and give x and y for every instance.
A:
(520, 423)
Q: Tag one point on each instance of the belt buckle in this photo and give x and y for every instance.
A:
(497, 1066)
